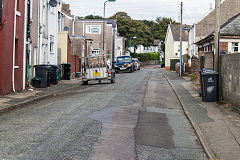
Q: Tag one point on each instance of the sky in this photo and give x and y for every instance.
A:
(193, 10)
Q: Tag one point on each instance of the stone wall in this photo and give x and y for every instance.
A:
(150, 62)
(230, 79)
(195, 68)
(206, 60)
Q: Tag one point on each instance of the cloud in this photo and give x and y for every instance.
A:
(144, 9)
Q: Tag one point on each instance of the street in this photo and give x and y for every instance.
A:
(138, 117)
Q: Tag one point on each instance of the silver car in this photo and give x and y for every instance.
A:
(136, 63)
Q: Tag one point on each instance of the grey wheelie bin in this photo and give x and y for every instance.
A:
(209, 86)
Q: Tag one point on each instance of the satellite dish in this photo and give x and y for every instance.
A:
(66, 28)
(53, 3)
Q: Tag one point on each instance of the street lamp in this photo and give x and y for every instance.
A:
(104, 19)
(131, 42)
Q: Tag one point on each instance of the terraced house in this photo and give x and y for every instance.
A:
(12, 48)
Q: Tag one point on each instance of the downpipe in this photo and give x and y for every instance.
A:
(14, 47)
(24, 47)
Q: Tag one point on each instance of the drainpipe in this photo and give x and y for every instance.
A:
(14, 47)
(24, 46)
(73, 27)
(83, 28)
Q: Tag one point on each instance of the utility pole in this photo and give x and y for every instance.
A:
(216, 38)
(181, 32)
(103, 36)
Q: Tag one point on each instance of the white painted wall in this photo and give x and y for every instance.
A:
(177, 49)
(169, 47)
(191, 40)
(48, 32)
(119, 46)
(43, 32)
(172, 48)
(142, 49)
(52, 34)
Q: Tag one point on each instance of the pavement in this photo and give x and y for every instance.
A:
(217, 126)
(28, 96)
(128, 130)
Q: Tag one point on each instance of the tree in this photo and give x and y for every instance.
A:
(159, 28)
(93, 17)
(145, 31)
(128, 28)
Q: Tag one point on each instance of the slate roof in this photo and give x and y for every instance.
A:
(175, 28)
(230, 28)
(156, 42)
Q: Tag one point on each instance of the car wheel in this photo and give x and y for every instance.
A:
(85, 82)
(131, 70)
(113, 80)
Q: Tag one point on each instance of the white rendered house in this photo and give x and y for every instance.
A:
(172, 44)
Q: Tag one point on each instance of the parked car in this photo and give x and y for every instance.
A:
(136, 63)
(124, 63)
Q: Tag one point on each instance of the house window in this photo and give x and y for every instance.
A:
(51, 43)
(52, 9)
(51, 46)
(234, 47)
(94, 29)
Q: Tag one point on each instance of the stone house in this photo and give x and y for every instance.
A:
(65, 19)
(71, 47)
(205, 26)
(172, 45)
(229, 38)
(93, 29)
(229, 41)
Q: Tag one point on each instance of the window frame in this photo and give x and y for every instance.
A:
(234, 46)
(90, 28)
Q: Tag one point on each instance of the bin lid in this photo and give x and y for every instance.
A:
(53, 66)
(209, 72)
(42, 66)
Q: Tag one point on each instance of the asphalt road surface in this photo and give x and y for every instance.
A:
(138, 117)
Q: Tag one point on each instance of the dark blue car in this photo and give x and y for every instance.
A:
(124, 63)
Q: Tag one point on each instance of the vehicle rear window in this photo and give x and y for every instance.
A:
(123, 59)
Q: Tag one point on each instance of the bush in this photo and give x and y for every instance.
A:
(146, 56)
(154, 56)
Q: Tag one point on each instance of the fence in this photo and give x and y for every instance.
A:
(230, 79)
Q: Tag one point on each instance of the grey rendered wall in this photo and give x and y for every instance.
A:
(230, 79)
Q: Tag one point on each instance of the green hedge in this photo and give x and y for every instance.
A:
(146, 56)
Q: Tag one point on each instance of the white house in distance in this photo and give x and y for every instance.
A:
(172, 45)
(154, 48)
